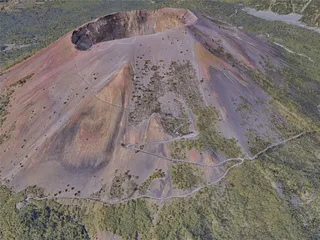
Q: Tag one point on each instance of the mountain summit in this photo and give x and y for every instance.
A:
(140, 103)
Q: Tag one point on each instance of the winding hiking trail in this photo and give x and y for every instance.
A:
(95, 95)
(187, 136)
(293, 52)
(136, 147)
(305, 6)
(193, 135)
(242, 160)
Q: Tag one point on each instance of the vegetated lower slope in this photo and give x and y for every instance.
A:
(262, 198)
(149, 115)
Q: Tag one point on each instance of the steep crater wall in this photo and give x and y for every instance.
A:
(128, 24)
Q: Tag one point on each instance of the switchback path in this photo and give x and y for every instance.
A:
(131, 147)
(290, 51)
(187, 136)
(242, 160)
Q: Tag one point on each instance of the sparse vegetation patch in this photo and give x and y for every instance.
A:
(123, 186)
(143, 188)
(6, 95)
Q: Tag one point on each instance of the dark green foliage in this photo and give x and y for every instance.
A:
(247, 203)
(178, 148)
(46, 220)
(294, 103)
(123, 186)
(209, 137)
(4, 102)
(146, 98)
(311, 14)
(183, 81)
(28, 219)
(245, 105)
(22, 81)
(207, 123)
(127, 220)
(180, 79)
(5, 99)
(143, 188)
(298, 87)
(243, 207)
(296, 166)
(186, 176)
(256, 142)
(302, 89)
(174, 125)
(116, 190)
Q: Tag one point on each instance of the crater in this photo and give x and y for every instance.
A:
(129, 24)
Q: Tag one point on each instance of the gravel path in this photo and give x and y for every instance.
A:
(176, 160)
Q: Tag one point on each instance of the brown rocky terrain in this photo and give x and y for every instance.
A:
(97, 112)
(129, 24)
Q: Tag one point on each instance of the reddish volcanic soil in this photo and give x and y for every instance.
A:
(68, 122)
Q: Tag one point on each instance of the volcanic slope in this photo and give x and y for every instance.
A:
(106, 111)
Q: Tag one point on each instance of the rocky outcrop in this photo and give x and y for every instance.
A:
(128, 24)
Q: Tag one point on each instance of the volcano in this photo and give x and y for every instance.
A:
(130, 94)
